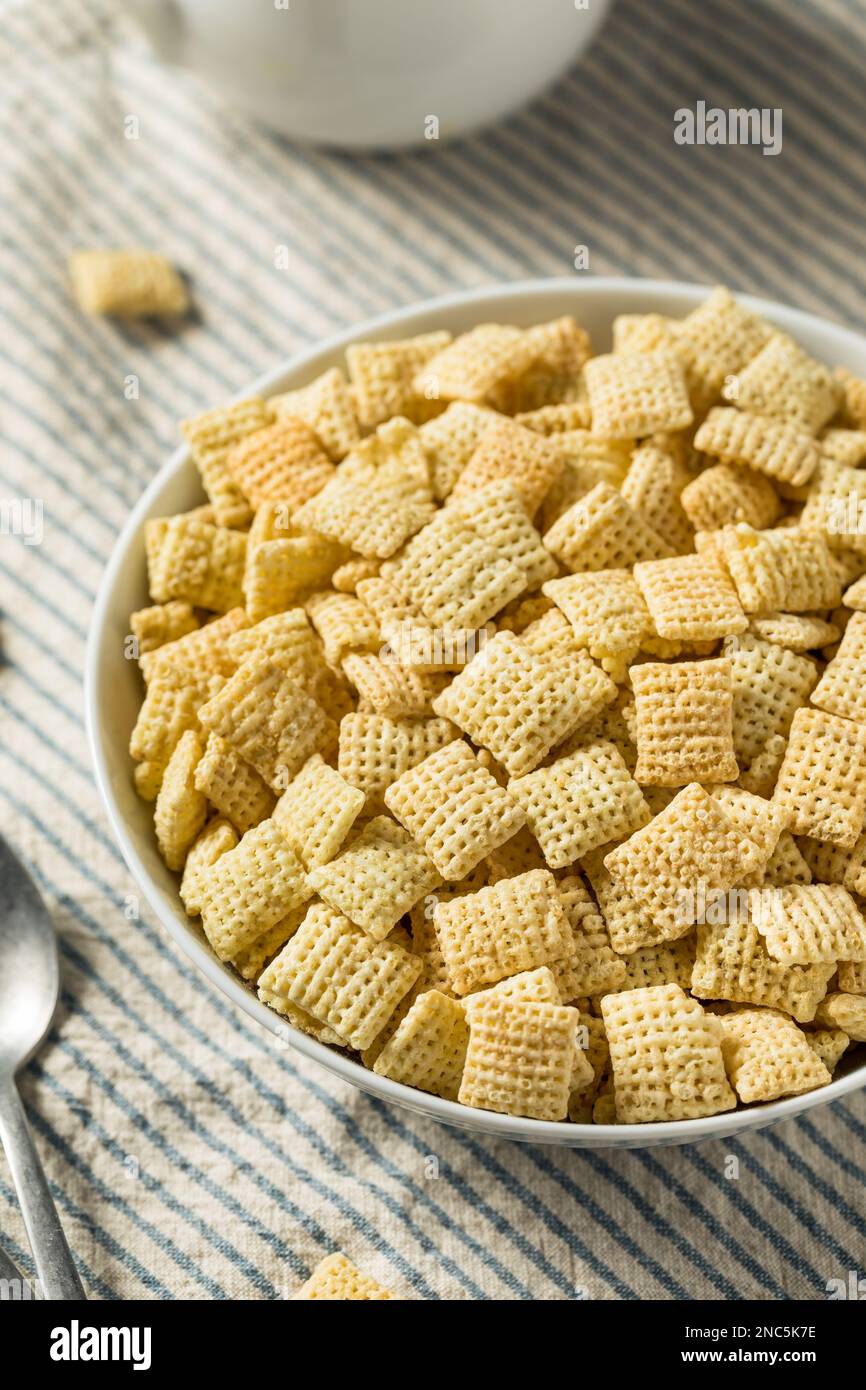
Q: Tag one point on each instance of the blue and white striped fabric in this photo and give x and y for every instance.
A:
(190, 1159)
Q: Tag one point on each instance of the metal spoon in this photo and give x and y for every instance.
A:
(29, 983)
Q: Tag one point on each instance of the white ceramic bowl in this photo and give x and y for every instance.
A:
(113, 686)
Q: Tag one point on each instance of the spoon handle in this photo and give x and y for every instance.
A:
(54, 1265)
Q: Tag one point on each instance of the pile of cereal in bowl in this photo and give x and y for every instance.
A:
(505, 712)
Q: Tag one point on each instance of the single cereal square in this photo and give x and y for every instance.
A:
(217, 838)
(768, 1056)
(521, 1058)
(377, 878)
(428, 1048)
(317, 810)
(666, 1055)
(822, 780)
(830, 1044)
(718, 339)
(450, 440)
(344, 623)
(202, 565)
(232, 785)
(508, 451)
(601, 532)
(336, 1279)
(337, 973)
(689, 848)
(269, 720)
(386, 687)
(772, 447)
(375, 750)
(515, 925)
(580, 802)
(653, 487)
(806, 924)
(605, 608)
(690, 598)
(518, 706)
(154, 627)
(842, 687)
(180, 809)
(129, 284)
(283, 462)
(636, 393)
(784, 381)
(381, 375)
(211, 436)
(455, 577)
(250, 889)
(668, 963)
(683, 722)
(723, 495)
(786, 569)
(498, 514)
(476, 363)
(770, 683)
(281, 569)
(733, 963)
(629, 925)
(799, 632)
(845, 1011)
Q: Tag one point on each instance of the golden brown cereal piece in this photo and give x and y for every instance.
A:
(690, 598)
(455, 577)
(653, 488)
(770, 683)
(683, 722)
(718, 339)
(805, 924)
(768, 1056)
(326, 406)
(279, 571)
(428, 1047)
(689, 848)
(211, 436)
(270, 720)
(375, 750)
(785, 569)
(580, 802)
(605, 608)
(762, 820)
(773, 447)
(499, 516)
(724, 495)
(377, 878)
(538, 986)
(476, 363)
(668, 963)
(561, 349)
(784, 381)
(346, 578)
(203, 651)
(512, 926)
(344, 624)
(637, 393)
(454, 809)
(629, 926)
(845, 446)
(180, 810)
(133, 284)
(316, 812)
(521, 1058)
(202, 565)
(733, 963)
(170, 707)
(666, 1056)
(509, 451)
(591, 965)
(216, 839)
(852, 977)
(841, 687)
(249, 889)
(845, 1011)
(337, 973)
(283, 462)
(830, 1044)
(165, 622)
(799, 632)
(336, 1279)
(519, 707)
(381, 375)
(822, 781)
(601, 531)
(855, 595)
(450, 441)
(232, 785)
(853, 405)
(287, 640)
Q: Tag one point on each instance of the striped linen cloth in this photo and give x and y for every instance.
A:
(190, 1158)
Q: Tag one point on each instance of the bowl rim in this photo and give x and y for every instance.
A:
(306, 360)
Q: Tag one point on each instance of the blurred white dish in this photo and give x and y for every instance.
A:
(113, 685)
(367, 74)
